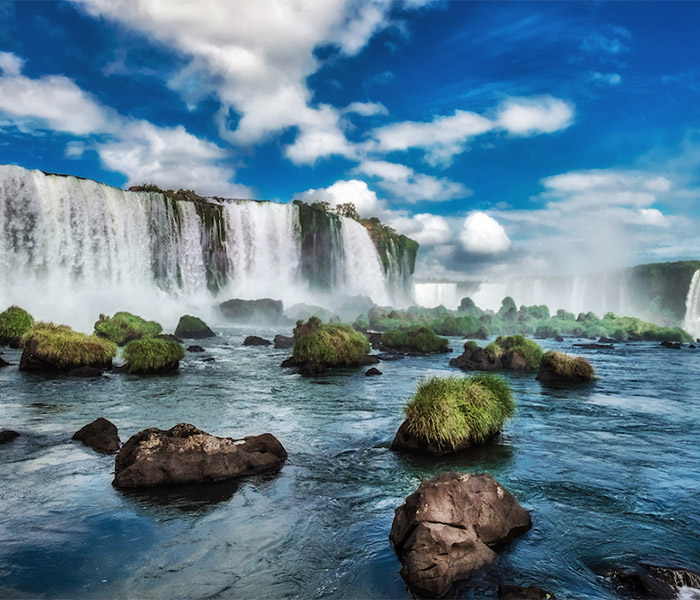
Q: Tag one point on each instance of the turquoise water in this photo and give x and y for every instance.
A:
(609, 473)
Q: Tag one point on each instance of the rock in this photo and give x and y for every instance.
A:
(558, 339)
(373, 371)
(4, 363)
(595, 346)
(195, 349)
(185, 454)
(375, 338)
(671, 345)
(169, 337)
(649, 580)
(193, 328)
(634, 337)
(559, 368)
(606, 340)
(7, 435)
(405, 442)
(208, 359)
(85, 372)
(479, 360)
(100, 435)
(690, 346)
(448, 527)
(479, 334)
(254, 340)
(283, 341)
(515, 592)
(263, 311)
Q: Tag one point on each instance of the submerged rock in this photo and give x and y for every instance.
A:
(515, 592)
(195, 349)
(448, 527)
(190, 327)
(283, 341)
(101, 435)
(3, 362)
(671, 345)
(254, 340)
(7, 435)
(185, 454)
(373, 371)
(649, 580)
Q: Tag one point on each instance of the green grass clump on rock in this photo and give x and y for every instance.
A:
(59, 345)
(420, 339)
(528, 349)
(446, 411)
(567, 368)
(153, 355)
(192, 327)
(331, 345)
(14, 323)
(124, 327)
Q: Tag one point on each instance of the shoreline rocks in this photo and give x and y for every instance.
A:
(648, 580)
(185, 454)
(448, 529)
(101, 435)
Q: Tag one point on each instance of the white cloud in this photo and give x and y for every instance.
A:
(10, 64)
(609, 40)
(607, 78)
(341, 192)
(366, 109)
(651, 216)
(74, 149)
(482, 234)
(425, 228)
(530, 116)
(408, 186)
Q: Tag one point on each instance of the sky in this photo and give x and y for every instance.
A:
(507, 138)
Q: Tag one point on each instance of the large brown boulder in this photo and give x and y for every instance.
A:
(448, 527)
(185, 454)
(101, 435)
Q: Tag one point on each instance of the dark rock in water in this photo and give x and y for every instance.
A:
(634, 337)
(675, 576)
(195, 349)
(373, 371)
(264, 310)
(283, 341)
(190, 327)
(595, 346)
(690, 346)
(405, 441)
(448, 527)
(375, 338)
(515, 592)
(480, 334)
(208, 359)
(606, 340)
(671, 345)
(4, 363)
(479, 360)
(185, 454)
(101, 435)
(558, 339)
(7, 435)
(170, 337)
(649, 580)
(85, 372)
(558, 368)
(254, 340)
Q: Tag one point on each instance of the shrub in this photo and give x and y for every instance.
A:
(565, 367)
(124, 327)
(332, 345)
(528, 349)
(420, 339)
(546, 331)
(471, 346)
(446, 411)
(14, 323)
(59, 345)
(153, 355)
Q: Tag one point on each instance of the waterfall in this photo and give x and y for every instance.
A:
(73, 248)
(692, 307)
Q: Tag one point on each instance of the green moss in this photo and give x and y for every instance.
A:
(567, 367)
(332, 345)
(446, 411)
(67, 349)
(124, 327)
(14, 323)
(420, 339)
(152, 355)
(192, 327)
(528, 349)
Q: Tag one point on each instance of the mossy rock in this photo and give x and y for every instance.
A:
(264, 310)
(150, 355)
(448, 414)
(190, 327)
(515, 353)
(318, 347)
(124, 327)
(420, 339)
(14, 323)
(560, 368)
(49, 347)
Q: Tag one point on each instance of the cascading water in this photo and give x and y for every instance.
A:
(692, 307)
(73, 248)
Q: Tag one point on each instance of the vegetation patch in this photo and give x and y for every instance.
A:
(421, 339)
(452, 412)
(57, 346)
(560, 367)
(153, 355)
(333, 345)
(14, 323)
(193, 328)
(124, 327)
(528, 349)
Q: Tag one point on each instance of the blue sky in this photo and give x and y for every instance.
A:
(506, 137)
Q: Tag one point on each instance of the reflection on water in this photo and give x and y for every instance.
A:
(609, 472)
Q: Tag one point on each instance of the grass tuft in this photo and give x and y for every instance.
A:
(124, 327)
(151, 355)
(420, 339)
(14, 323)
(67, 349)
(563, 366)
(446, 411)
(332, 345)
(528, 349)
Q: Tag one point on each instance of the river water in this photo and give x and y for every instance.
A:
(609, 473)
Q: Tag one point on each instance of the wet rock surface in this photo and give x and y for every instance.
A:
(101, 435)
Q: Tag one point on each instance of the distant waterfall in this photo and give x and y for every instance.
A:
(73, 248)
(448, 294)
(692, 307)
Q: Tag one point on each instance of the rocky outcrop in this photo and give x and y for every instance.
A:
(3, 362)
(265, 310)
(195, 349)
(7, 435)
(185, 454)
(479, 360)
(283, 341)
(101, 435)
(190, 327)
(85, 372)
(653, 581)
(558, 368)
(405, 441)
(254, 340)
(373, 372)
(515, 592)
(448, 529)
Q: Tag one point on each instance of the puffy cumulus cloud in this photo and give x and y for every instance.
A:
(407, 185)
(169, 157)
(482, 234)
(531, 116)
(651, 216)
(366, 109)
(341, 192)
(425, 228)
(255, 58)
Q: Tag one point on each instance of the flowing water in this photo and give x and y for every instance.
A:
(692, 307)
(609, 473)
